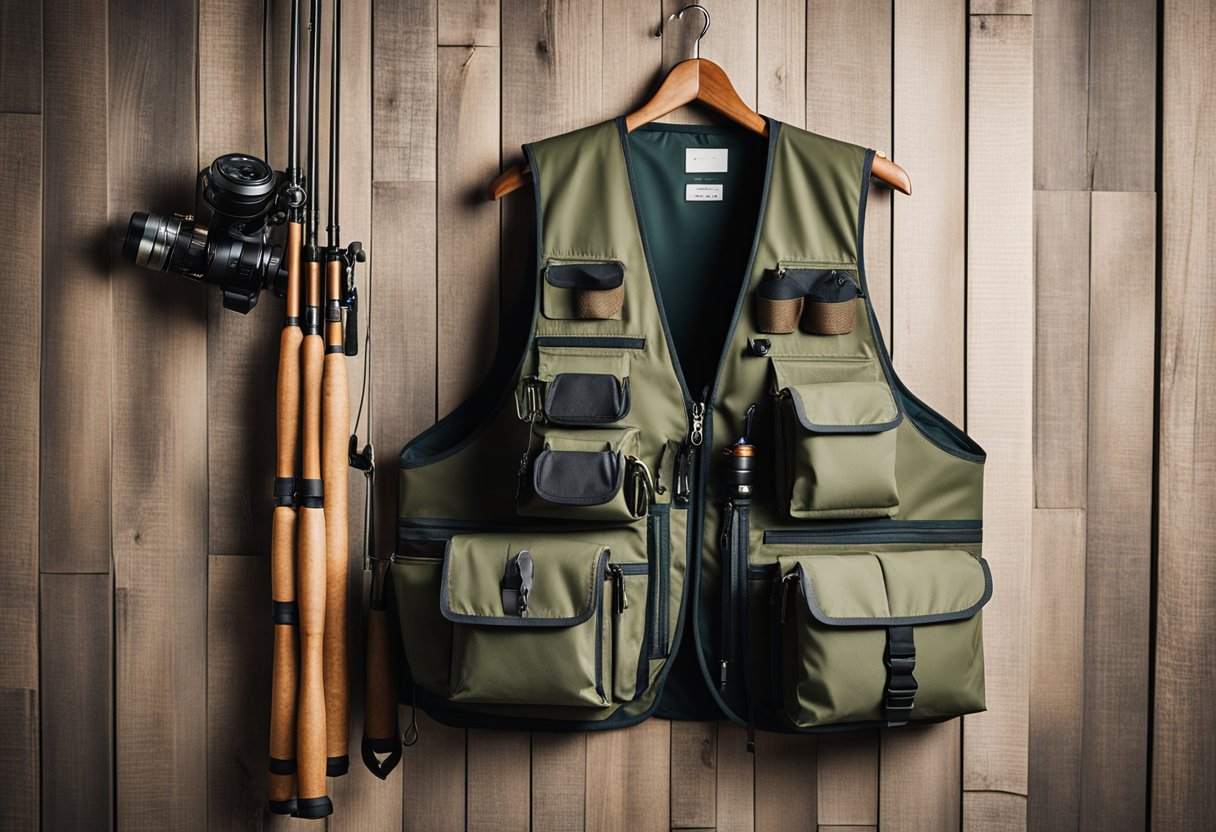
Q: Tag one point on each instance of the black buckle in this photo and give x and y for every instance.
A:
(901, 687)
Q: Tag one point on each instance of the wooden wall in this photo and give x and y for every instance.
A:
(1050, 285)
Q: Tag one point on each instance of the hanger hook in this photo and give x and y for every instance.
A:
(696, 46)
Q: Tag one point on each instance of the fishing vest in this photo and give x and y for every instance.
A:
(692, 484)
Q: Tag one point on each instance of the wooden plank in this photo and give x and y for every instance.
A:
(242, 350)
(928, 291)
(694, 765)
(468, 222)
(559, 781)
(77, 703)
(19, 758)
(634, 54)
(404, 114)
(786, 793)
(1184, 761)
(848, 779)
(1122, 311)
(434, 778)
(21, 57)
(74, 519)
(736, 780)
(468, 23)
(848, 90)
(1061, 96)
(1057, 669)
(1000, 373)
(1001, 6)
(159, 435)
(628, 789)
(498, 784)
(994, 811)
(1122, 120)
(781, 61)
(1061, 359)
(920, 787)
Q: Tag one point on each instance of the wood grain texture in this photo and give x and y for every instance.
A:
(848, 779)
(19, 757)
(787, 794)
(159, 436)
(433, 773)
(628, 789)
(1000, 371)
(1001, 6)
(694, 766)
(1122, 311)
(21, 57)
(848, 88)
(736, 780)
(928, 292)
(1061, 96)
(781, 61)
(468, 23)
(1057, 669)
(468, 223)
(1184, 763)
(1122, 134)
(994, 811)
(74, 480)
(559, 781)
(404, 121)
(498, 781)
(920, 783)
(635, 56)
(1061, 407)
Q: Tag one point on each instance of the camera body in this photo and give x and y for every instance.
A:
(241, 200)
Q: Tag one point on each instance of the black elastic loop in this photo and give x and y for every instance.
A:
(337, 766)
(282, 807)
(284, 612)
(285, 491)
(314, 807)
(335, 348)
(278, 765)
(311, 493)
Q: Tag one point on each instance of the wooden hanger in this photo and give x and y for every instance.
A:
(691, 81)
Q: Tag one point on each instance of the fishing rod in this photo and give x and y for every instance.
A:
(335, 419)
(281, 783)
(312, 801)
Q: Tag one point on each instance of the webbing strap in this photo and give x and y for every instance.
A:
(311, 493)
(284, 612)
(900, 660)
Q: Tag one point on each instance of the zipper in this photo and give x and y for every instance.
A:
(620, 601)
(726, 551)
(880, 531)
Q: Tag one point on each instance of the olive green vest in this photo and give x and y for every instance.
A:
(692, 484)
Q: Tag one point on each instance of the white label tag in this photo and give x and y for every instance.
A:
(702, 193)
(705, 159)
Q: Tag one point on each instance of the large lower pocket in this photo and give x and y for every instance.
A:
(881, 636)
(838, 449)
(542, 620)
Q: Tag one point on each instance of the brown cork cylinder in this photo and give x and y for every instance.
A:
(380, 705)
(310, 724)
(599, 303)
(281, 785)
(830, 318)
(335, 434)
(778, 317)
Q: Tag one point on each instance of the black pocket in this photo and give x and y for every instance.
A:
(586, 399)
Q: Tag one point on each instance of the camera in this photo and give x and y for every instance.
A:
(242, 199)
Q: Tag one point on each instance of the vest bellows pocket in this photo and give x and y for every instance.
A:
(838, 445)
(881, 636)
(582, 475)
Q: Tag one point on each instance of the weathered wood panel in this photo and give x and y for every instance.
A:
(434, 776)
(694, 765)
(1000, 370)
(787, 794)
(910, 800)
(736, 780)
(559, 781)
(1122, 125)
(21, 58)
(468, 23)
(498, 781)
(404, 91)
(1061, 96)
(781, 61)
(628, 789)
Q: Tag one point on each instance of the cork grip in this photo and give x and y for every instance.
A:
(310, 727)
(380, 707)
(335, 467)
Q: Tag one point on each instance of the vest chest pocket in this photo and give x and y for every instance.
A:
(591, 290)
(541, 620)
(838, 445)
(887, 636)
(587, 474)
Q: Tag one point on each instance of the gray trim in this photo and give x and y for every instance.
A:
(593, 604)
(876, 427)
(819, 615)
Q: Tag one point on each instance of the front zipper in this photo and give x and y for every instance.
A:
(726, 558)
(880, 531)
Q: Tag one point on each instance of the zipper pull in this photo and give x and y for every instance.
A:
(722, 674)
(620, 601)
(683, 473)
(786, 583)
(697, 435)
(728, 512)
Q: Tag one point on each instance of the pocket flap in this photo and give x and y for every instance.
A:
(607, 275)
(888, 589)
(845, 406)
(567, 580)
(586, 398)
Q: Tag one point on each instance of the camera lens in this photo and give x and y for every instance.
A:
(172, 243)
(239, 186)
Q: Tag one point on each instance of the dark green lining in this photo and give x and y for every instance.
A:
(699, 250)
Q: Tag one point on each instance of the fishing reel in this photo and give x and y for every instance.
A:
(241, 200)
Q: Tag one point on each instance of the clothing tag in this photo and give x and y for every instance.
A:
(702, 193)
(705, 159)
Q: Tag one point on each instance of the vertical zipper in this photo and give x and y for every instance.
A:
(726, 558)
(620, 601)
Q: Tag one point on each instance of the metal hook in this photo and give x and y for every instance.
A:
(696, 46)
